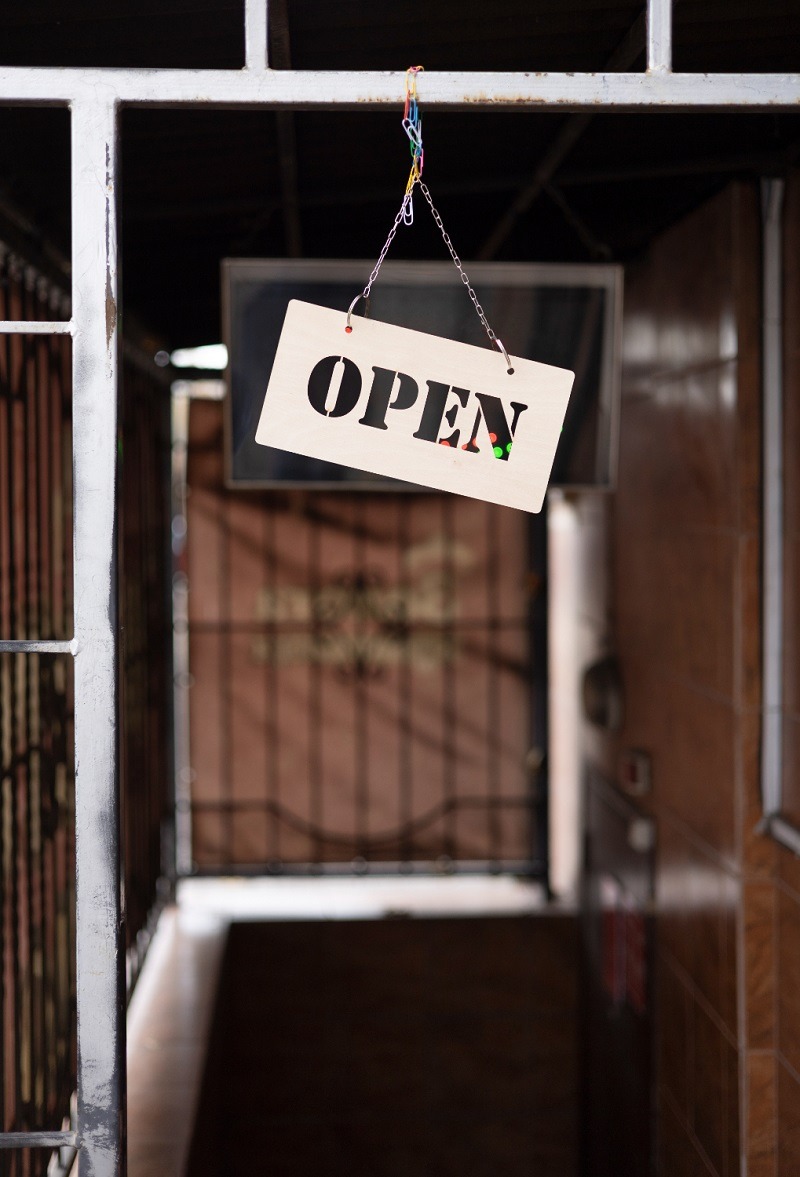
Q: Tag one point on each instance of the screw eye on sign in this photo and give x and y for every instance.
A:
(414, 406)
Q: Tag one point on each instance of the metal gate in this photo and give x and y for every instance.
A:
(94, 97)
(361, 672)
(38, 1061)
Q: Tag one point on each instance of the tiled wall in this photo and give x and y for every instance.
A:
(791, 676)
(784, 881)
(684, 539)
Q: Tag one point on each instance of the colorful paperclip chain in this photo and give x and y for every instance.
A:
(412, 125)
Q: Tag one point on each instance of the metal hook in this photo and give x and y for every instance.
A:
(499, 343)
(348, 328)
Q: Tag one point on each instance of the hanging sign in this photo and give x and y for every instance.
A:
(413, 406)
(409, 405)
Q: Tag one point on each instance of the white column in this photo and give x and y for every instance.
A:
(100, 953)
(659, 36)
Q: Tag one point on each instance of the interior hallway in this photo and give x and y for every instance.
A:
(668, 571)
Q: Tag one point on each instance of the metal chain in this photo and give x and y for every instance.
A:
(401, 216)
(457, 263)
(398, 220)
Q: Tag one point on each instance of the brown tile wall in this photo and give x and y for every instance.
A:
(684, 605)
(683, 533)
(785, 1091)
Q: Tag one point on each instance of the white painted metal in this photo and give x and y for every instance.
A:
(100, 954)
(255, 36)
(36, 646)
(772, 603)
(322, 89)
(36, 1139)
(659, 36)
(35, 327)
(784, 833)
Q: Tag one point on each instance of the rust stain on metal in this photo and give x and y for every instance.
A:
(111, 302)
(111, 310)
(475, 99)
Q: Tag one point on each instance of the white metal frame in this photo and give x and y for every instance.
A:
(94, 97)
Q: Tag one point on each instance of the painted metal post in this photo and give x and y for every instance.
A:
(659, 36)
(772, 604)
(100, 951)
(255, 36)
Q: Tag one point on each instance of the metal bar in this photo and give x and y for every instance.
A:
(255, 36)
(421, 624)
(449, 709)
(361, 694)
(99, 940)
(33, 733)
(316, 758)
(494, 708)
(772, 503)
(405, 685)
(433, 868)
(38, 1140)
(539, 718)
(226, 763)
(598, 250)
(659, 36)
(271, 685)
(784, 833)
(36, 647)
(371, 90)
(16, 578)
(36, 327)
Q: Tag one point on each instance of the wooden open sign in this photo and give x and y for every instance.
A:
(414, 406)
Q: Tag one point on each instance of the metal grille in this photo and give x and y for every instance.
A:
(37, 913)
(37, 804)
(362, 672)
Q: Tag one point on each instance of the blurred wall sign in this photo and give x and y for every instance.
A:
(413, 406)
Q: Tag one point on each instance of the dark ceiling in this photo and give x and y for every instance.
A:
(199, 184)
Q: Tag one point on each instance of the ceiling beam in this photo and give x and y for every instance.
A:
(630, 48)
(597, 249)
